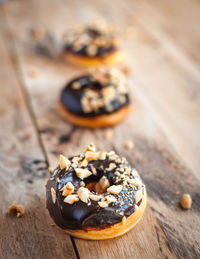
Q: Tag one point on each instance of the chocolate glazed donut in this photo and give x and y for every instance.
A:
(96, 195)
(98, 99)
(92, 45)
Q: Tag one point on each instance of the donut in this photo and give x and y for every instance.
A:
(96, 195)
(97, 99)
(92, 45)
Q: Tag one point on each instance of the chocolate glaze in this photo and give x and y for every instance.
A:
(71, 98)
(101, 52)
(81, 215)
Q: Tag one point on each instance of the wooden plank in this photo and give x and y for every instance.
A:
(178, 22)
(153, 154)
(168, 79)
(23, 170)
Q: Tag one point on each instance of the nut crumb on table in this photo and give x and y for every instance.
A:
(37, 34)
(129, 144)
(108, 133)
(16, 210)
(186, 201)
(33, 73)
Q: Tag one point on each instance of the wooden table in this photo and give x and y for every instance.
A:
(162, 42)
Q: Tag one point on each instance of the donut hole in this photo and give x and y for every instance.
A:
(100, 186)
(91, 186)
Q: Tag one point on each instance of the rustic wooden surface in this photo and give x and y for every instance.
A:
(162, 41)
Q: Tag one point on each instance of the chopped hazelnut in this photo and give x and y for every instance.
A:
(94, 197)
(134, 182)
(77, 45)
(186, 201)
(115, 189)
(101, 155)
(108, 93)
(108, 133)
(53, 195)
(122, 99)
(91, 148)
(16, 210)
(68, 189)
(82, 183)
(86, 105)
(111, 153)
(83, 194)
(92, 50)
(129, 144)
(138, 196)
(89, 155)
(70, 199)
(84, 163)
(128, 170)
(93, 169)
(76, 85)
(136, 207)
(103, 204)
(111, 167)
(64, 162)
(82, 173)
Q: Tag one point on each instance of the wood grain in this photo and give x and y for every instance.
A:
(164, 124)
(23, 172)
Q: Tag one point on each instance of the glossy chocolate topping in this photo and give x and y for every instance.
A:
(81, 215)
(71, 98)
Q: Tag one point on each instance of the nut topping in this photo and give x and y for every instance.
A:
(53, 195)
(91, 155)
(68, 189)
(91, 148)
(76, 85)
(101, 155)
(82, 173)
(111, 167)
(92, 50)
(93, 169)
(126, 188)
(114, 88)
(134, 182)
(84, 163)
(103, 204)
(83, 194)
(64, 162)
(138, 196)
(70, 199)
(94, 197)
(115, 189)
(124, 220)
